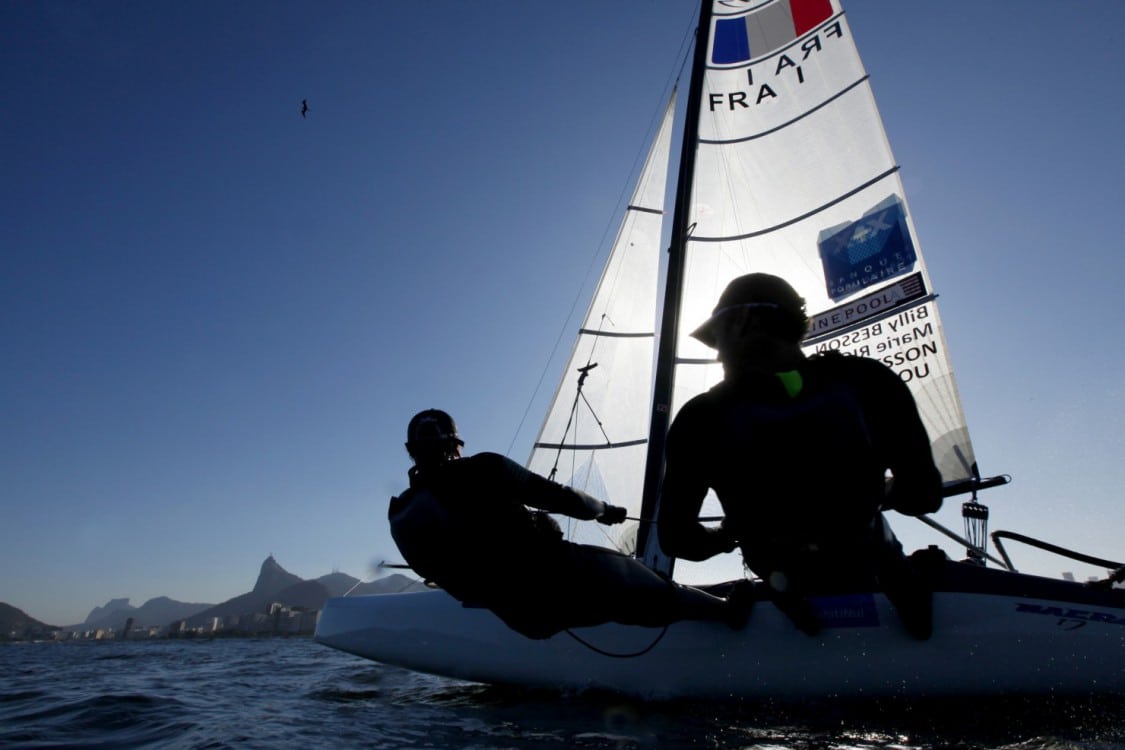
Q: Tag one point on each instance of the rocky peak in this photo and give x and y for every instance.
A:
(273, 578)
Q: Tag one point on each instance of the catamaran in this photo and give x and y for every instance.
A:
(784, 168)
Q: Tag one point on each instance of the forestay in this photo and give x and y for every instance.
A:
(596, 430)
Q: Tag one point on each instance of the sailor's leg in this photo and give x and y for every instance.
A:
(907, 589)
(635, 594)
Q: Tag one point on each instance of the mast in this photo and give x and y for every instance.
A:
(648, 549)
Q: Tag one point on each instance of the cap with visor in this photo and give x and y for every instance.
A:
(432, 426)
(755, 290)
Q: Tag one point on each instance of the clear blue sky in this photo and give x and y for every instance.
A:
(217, 316)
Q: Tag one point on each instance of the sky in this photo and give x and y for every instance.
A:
(218, 315)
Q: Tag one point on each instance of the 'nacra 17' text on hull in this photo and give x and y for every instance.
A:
(1075, 617)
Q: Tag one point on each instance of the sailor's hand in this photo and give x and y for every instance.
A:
(611, 515)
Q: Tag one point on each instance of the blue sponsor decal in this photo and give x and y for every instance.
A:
(866, 252)
(847, 611)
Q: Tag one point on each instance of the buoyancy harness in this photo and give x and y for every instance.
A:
(426, 534)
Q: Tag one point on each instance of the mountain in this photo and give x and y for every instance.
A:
(15, 623)
(395, 583)
(112, 607)
(274, 584)
(273, 578)
(155, 612)
(339, 584)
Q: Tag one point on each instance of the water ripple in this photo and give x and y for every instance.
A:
(277, 694)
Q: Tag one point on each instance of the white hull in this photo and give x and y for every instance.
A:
(983, 644)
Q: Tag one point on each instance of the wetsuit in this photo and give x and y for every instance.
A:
(465, 526)
(798, 462)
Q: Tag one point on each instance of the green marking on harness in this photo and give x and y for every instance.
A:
(791, 381)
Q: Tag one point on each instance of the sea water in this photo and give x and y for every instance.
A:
(295, 693)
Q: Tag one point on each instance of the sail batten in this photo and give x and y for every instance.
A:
(768, 230)
(774, 129)
(617, 334)
(591, 446)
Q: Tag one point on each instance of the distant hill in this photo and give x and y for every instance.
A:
(339, 584)
(112, 607)
(15, 623)
(156, 612)
(273, 578)
(395, 583)
(274, 584)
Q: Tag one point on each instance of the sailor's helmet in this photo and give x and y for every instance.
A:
(431, 426)
(758, 290)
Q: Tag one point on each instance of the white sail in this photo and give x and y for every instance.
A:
(595, 433)
(794, 176)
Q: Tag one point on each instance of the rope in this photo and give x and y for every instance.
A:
(603, 652)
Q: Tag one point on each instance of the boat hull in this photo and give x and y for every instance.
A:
(987, 641)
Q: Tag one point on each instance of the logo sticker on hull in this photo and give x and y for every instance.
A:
(847, 611)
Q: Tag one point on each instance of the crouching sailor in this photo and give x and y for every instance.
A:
(464, 525)
(805, 526)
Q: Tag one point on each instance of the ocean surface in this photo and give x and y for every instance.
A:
(295, 693)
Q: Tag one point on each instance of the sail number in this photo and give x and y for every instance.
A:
(773, 68)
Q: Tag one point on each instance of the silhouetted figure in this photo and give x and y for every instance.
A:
(304, 107)
(798, 450)
(465, 525)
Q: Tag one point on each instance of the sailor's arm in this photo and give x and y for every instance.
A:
(544, 494)
(684, 489)
(677, 523)
(916, 487)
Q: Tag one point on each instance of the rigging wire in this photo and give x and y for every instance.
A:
(580, 396)
(611, 654)
(672, 82)
(383, 564)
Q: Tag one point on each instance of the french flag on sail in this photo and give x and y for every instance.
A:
(761, 32)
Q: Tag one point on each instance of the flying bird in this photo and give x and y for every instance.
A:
(304, 107)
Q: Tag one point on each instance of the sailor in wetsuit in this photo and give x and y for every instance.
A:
(798, 450)
(464, 525)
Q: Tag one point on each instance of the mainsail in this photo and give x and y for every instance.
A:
(595, 433)
(786, 169)
(793, 176)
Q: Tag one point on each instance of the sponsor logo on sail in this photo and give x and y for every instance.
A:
(877, 303)
(866, 252)
(771, 27)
